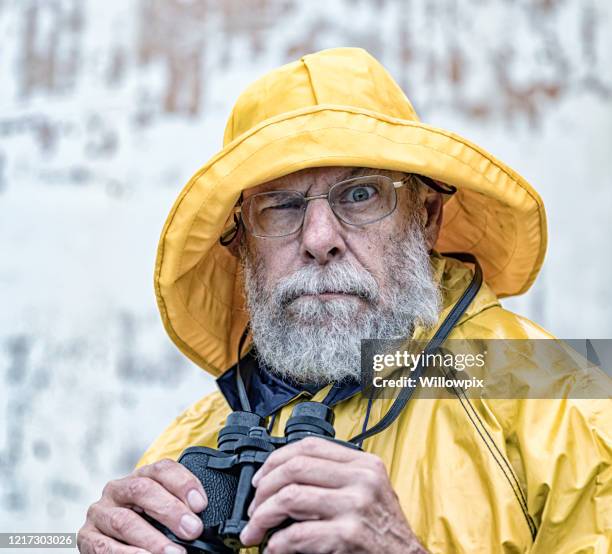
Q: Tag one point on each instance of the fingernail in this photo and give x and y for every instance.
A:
(256, 478)
(196, 501)
(251, 508)
(190, 524)
(244, 535)
(173, 549)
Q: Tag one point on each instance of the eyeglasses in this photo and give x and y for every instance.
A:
(357, 201)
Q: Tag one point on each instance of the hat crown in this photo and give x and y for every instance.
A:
(339, 76)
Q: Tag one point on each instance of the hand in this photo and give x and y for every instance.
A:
(341, 498)
(165, 490)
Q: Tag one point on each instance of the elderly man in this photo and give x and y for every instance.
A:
(319, 224)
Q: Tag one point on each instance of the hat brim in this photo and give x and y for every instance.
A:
(495, 214)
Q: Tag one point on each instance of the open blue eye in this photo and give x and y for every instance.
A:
(359, 193)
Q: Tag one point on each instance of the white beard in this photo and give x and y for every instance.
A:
(309, 340)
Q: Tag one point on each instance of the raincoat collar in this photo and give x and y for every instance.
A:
(268, 393)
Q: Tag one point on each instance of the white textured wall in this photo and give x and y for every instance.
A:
(107, 108)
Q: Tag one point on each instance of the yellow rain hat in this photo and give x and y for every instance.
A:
(337, 107)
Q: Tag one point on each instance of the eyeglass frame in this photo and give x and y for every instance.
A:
(228, 236)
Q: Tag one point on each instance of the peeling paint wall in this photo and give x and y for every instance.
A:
(107, 108)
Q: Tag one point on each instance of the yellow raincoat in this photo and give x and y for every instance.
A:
(468, 481)
(480, 476)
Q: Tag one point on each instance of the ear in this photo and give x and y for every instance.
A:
(234, 246)
(432, 206)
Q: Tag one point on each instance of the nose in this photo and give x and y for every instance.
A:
(321, 237)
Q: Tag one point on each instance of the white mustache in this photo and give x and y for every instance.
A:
(338, 278)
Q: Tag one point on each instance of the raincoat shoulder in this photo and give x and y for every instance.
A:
(198, 425)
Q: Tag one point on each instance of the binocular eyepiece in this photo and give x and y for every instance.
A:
(307, 418)
(243, 445)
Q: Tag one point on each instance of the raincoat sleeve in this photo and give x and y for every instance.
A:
(565, 450)
(560, 449)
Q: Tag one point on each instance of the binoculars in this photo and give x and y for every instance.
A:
(243, 445)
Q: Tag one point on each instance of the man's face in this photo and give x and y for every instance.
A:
(313, 295)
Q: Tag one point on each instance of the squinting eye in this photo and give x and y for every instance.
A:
(359, 193)
(288, 205)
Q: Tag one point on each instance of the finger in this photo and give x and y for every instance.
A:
(178, 480)
(309, 537)
(91, 541)
(157, 502)
(127, 526)
(310, 446)
(303, 470)
(299, 502)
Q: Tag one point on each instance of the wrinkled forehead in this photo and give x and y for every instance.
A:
(317, 177)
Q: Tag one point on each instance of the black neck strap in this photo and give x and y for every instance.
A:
(242, 393)
(439, 337)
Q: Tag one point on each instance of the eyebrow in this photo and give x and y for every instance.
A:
(355, 171)
(352, 173)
